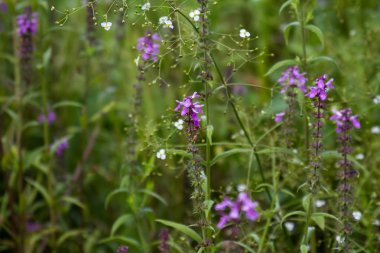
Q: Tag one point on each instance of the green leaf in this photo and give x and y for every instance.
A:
(306, 202)
(67, 235)
(113, 193)
(182, 228)
(121, 240)
(280, 64)
(300, 213)
(244, 246)
(287, 30)
(74, 201)
(303, 248)
(67, 104)
(314, 29)
(210, 130)
(154, 195)
(319, 220)
(327, 215)
(46, 57)
(42, 191)
(106, 109)
(179, 152)
(124, 219)
(284, 5)
(229, 153)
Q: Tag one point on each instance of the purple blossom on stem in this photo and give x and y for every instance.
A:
(122, 249)
(279, 116)
(191, 109)
(3, 7)
(27, 23)
(147, 47)
(50, 118)
(164, 238)
(33, 226)
(320, 88)
(293, 78)
(62, 146)
(231, 210)
(344, 116)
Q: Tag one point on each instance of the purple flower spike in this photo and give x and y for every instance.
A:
(345, 120)
(3, 7)
(321, 87)
(191, 109)
(279, 116)
(50, 118)
(122, 249)
(231, 210)
(62, 146)
(293, 78)
(147, 47)
(27, 23)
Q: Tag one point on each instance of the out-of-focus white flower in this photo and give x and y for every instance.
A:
(241, 187)
(289, 226)
(339, 239)
(166, 22)
(376, 223)
(179, 124)
(195, 14)
(375, 130)
(359, 156)
(376, 100)
(244, 33)
(106, 25)
(357, 215)
(145, 6)
(161, 154)
(320, 202)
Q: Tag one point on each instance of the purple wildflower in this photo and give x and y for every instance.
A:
(344, 116)
(279, 116)
(191, 109)
(293, 78)
(122, 249)
(62, 146)
(147, 47)
(27, 23)
(243, 204)
(164, 238)
(3, 7)
(320, 88)
(50, 118)
(33, 226)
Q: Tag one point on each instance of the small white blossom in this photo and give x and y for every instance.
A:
(359, 156)
(145, 7)
(241, 187)
(244, 33)
(375, 130)
(376, 223)
(161, 154)
(106, 25)
(195, 14)
(339, 239)
(179, 124)
(357, 215)
(289, 226)
(376, 100)
(166, 22)
(204, 118)
(320, 202)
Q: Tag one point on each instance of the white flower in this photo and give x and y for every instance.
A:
(195, 15)
(166, 22)
(244, 33)
(204, 118)
(375, 130)
(289, 226)
(320, 202)
(357, 215)
(179, 124)
(359, 156)
(376, 222)
(339, 239)
(376, 100)
(106, 25)
(145, 7)
(161, 154)
(241, 187)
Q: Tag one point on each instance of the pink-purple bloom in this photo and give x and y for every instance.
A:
(122, 249)
(231, 210)
(147, 46)
(191, 109)
(279, 116)
(320, 88)
(3, 7)
(344, 117)
(51, 117)
(291, 77)
(62, 147)
(27, 23)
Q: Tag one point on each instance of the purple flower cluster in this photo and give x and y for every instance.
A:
(293, 78)
(164, 238)
(122, 249)
(279, 116)
(147, 47)
(51, 117)
(3, 7)
(230, 210)
(345, 120)
(27, 23)
(320, 88)
(62, 146)
(191, 109)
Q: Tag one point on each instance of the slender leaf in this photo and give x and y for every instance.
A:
(182, 228)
